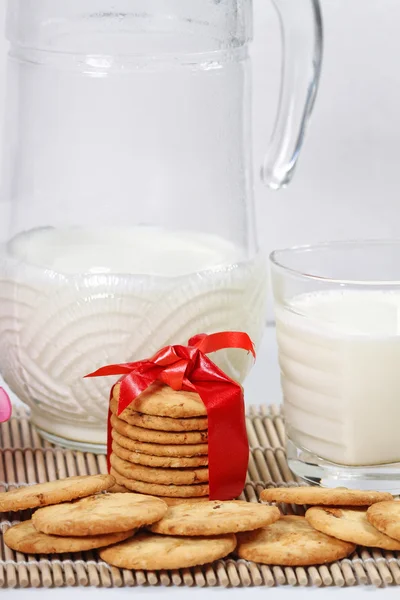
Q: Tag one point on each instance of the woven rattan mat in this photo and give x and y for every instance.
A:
(25, 458)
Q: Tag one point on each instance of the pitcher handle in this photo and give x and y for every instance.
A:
(302, 40)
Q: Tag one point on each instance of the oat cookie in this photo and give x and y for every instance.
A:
(176, 501)
(154, 489)
(157, 437)
(172, 450)
(147, 460)
(118, 489)
(169, 501)
(317, 495)
(164, 476)
(24, 538)
(215, 518)
(350, 525)
(162, 401)
(291, 541)
(53, 492)
(99, 514)
(131, 416)
(149, 551)
(385, 516)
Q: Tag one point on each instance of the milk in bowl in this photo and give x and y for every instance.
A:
(74, 299)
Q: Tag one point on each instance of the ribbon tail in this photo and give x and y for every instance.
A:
(222, 340)
(121, 369)
(228, 448)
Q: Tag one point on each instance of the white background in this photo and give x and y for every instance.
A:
(347, 181)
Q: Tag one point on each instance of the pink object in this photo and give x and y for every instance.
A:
(5, 406)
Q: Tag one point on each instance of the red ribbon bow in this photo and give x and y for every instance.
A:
(187, 368)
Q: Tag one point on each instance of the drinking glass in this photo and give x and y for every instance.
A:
(337, 309)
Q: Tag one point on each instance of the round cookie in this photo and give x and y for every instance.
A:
(385, 516)
(148, 551)
(25, 538)
(100, 514)
(118, 489)
(154, 489)
(131, 416)
(54, 492)
(164, 476)
(291, 541)
(157, 437)
(177, 501)
(215, 518)
(172, 450)
(169, 501)
(138, 458)
(349, 525)
(162, 401)
(318, 495)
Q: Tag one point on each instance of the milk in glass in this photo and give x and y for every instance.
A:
(339, 355)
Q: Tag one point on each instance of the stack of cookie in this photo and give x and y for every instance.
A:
(160, 444)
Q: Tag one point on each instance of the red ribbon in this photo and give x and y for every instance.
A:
(188, 368)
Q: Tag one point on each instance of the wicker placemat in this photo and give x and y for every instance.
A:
(25, 458)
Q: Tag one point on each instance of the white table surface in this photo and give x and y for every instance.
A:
(262, 386)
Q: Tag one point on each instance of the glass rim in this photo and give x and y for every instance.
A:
(277, 257)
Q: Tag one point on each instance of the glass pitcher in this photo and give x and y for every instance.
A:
(127, 189)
